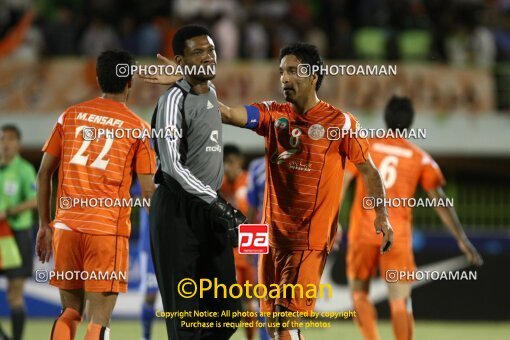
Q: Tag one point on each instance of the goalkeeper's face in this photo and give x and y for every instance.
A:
(297, 85)
(199, 58)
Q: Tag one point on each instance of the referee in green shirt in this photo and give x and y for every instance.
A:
(17, 192)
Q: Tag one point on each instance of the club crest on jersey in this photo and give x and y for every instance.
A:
(316, 131)
(287, 140)
(281, 123)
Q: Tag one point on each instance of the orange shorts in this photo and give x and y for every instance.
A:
(364, 258)
(284, 266)
(100, 262)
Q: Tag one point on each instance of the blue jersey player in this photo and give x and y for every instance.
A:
(256, 185)
(148, 282)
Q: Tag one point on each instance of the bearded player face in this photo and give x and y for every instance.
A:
(296, 85)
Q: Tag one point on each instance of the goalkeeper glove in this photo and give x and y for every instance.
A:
(226, 219)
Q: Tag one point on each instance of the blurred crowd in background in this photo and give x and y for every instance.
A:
(459, 32)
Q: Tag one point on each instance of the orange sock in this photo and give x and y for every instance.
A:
(366, 316)
(97, 332)
(402, 319)
(65, 326)
(289, 334)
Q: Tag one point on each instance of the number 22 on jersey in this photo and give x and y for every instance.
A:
(82, 158)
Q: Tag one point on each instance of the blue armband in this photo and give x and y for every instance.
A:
(253, 117)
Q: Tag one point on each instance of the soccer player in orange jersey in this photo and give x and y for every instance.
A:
(403, 166)
(92, 239)
(305, 168)
(234, 190)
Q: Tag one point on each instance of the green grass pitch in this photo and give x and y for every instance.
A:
(39, 329)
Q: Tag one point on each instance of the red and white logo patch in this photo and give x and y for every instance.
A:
(253, 239)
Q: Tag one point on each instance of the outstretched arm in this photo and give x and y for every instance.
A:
(161, 79)
(375, 189)
(235, 115)
(449, 217)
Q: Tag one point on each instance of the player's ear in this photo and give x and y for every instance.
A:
(314, 78)
(129, 83)
(179, 59)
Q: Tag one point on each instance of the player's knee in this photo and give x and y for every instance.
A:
(99, 316)
(398, 305)
(71, 313)
(72, 299)
(100, 307)
(399, 290)
(99, 319)
(357, 285)
(75, 305)
(359, 296)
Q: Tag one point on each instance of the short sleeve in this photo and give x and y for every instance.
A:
(259, 117)
(53, 144)
(431, 175)
(145, 158)
(353, 146)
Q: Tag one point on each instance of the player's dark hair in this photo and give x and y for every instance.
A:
(307, 54)
(184, 33)
(399, 113)
(12, 128)
(231, 149)
(108, 71)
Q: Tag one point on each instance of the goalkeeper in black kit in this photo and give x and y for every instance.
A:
(192, 228)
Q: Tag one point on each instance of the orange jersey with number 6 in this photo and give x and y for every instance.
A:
(96, 172)
(402, 166)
